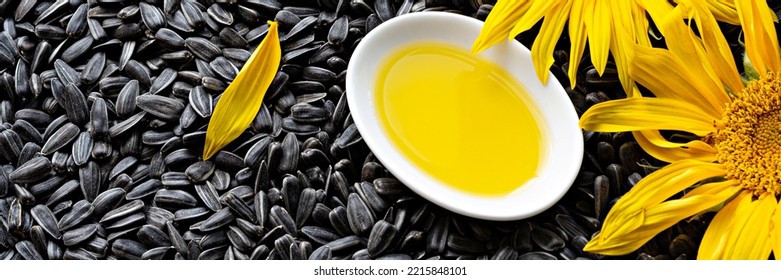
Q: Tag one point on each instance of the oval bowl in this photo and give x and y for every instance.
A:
(563, 137)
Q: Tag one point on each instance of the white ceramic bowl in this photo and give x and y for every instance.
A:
(561, 161)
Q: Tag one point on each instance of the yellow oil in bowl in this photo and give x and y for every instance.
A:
(460, 118)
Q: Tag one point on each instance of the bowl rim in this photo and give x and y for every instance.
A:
(502, 208)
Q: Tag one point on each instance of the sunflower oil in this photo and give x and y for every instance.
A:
(462, 119)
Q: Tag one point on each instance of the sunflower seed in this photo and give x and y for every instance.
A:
(231, 38)
(90, 180)
(321, 253)
(224, 68)
(111, 86)
(45, 218)
(31, 171)
(153, 237)
(359, 215)
(29, 151)
(537, 256)
(338, 32)
(28, 251)
(128, 249)
(174, 199)
(80, 211)
(152, 16)
(201, 102)
(306, 204)
(240, 240)
(162, 107)
(280, 217)
(22, 78)
(344, 243)
(219, 14)
(67, 74)
(163, 81)
(122, 211)
(169, 38)
(437, 237)
(256, 153)
(208, 195)
(235, 203)
(192, 13)
(77, 49)
(126, 101)
(202, 48)
(94, 68)
(546, 239)
(381, 238)
(79, 235)
(107, 200)
(307, 113)
(217, 220)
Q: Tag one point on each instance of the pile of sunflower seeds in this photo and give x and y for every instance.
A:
(103, 111)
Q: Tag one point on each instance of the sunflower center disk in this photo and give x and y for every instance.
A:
(749, 144)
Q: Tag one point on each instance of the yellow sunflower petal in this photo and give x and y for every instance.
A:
(599, 24)
(635, 114)
(713, 243)
(623, 40)
(656, 220)
(640, 24)
(500, 21)
(776, 232)
(692, 60)
(759, 30)
(729, 186)
(724, 11)
(657, 9)
(655, 145)
(536, 11)
(667, 76)
(741, 230)
(542, 48)
(641, 213)
(718, 52)
(240, 102)
(578, 36)
(753, 239)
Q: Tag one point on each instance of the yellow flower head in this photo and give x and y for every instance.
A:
(241, 101)
(609, 26)
(734, 166)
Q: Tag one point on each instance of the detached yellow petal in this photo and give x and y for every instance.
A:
(643, 212)
(241, 101)
(761, 40)
(636, 114)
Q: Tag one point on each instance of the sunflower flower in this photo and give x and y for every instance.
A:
(610, 26)
(733, 166)
(241, 101)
